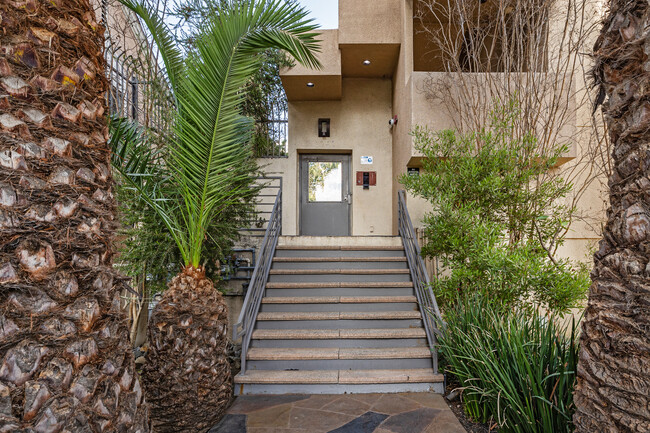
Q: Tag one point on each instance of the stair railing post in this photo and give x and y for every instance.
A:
(257, 286)
(425, 296)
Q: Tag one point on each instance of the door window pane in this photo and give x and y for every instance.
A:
(325, 181)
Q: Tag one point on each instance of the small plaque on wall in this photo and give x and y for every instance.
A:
(413, 171)
(367, 160)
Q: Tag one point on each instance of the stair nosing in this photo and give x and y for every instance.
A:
(336, 334)
(335, 353)
(279, 300)
(338, 315)
(334, 285)
(339, 271)
(349, 377)
(341, 247)
(339, 259)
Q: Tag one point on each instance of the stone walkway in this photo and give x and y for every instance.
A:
(348, 413)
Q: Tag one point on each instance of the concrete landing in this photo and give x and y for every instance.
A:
(357, 413)
(339, 242)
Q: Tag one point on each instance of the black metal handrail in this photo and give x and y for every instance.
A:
(244, 326)
(426, 299)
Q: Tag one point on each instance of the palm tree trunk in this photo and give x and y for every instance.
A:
(613, 391)
(65, 359)
(187, 376)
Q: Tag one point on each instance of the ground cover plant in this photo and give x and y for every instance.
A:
(497, 219)
(517, 369)
(206, 169)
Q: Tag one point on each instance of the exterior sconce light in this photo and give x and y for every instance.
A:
(366, 62)
(310, 84)
(323, 127)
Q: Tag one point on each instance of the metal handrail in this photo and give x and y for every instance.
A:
(426, 299)
(244, 326)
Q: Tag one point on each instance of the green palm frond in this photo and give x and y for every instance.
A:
(209, 156)
(141, 167)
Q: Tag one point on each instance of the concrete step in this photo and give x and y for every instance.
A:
(292, 354)
(378, 323)
(337, 252)
(304, 308)
(340, 241)
(325, 334)
(339, 376)
(302, 272)
(333, 304)
(337, 388)
(338, 263)
(336, 284)
(349, 343)
(338, 259)
(339, 291)
(341, 277)
(340, 364)
(337, 299)
(339, 315)
(331, 358)
(340, 247)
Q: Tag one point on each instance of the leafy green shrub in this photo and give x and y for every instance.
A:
(517, 368)
(498, 215)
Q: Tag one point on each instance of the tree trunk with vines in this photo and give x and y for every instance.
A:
(66, 364)
(613, 391)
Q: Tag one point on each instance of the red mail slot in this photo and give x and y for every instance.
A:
(371, 177)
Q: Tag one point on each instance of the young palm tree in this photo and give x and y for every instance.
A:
(613, 391)
(207, 167)
(65, 359)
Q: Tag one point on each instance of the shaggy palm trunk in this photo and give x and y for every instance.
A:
(613, 392)
(187, 376)
(65, 360)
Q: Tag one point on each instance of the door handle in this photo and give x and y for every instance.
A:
(348, 198)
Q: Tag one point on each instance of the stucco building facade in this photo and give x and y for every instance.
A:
(380, 65)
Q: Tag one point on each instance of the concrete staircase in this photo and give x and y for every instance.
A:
(339, 316)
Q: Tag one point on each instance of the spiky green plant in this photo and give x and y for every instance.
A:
(517, 369)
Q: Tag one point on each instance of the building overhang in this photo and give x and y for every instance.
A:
(348, 61)
(324, 84)
(369, 60)
(312, 87)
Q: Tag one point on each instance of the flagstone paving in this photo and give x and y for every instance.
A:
(348, 413)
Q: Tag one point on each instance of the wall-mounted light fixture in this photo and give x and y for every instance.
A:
(323, 127)
(310, 84)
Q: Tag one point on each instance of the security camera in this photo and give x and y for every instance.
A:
(393, 121)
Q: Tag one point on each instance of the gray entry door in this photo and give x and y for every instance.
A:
(325, 199)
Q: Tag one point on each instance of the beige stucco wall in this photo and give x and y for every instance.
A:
(369, 21)
(414, 106)
(359, 127)
(585, 228)
(328, 56)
